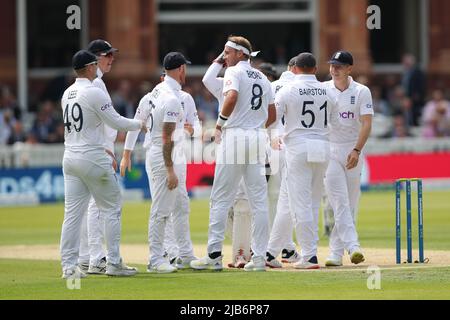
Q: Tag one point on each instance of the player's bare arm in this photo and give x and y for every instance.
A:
(272, 117)
(189, 129)
(111, 154)
(168, 144)
(125, 163)
(366, 127)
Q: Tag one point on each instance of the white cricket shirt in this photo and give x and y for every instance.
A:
(286, 78)
(86, 110)
(306, 108)
(190, 112)
(162, 104)
(110, 133)
(352, 103)
(213, 83)
(254, 96)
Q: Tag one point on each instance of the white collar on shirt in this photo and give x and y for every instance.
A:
(99, 73)
(287, 75)
(243, 63)
(83, 81)
(306, 77)
(172, 83)
(350, 85)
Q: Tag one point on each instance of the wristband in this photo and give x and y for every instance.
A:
(357, 151)
(221, 120)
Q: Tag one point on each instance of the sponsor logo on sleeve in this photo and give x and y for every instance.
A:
(228, 83)
(106, 106)
(368, 106)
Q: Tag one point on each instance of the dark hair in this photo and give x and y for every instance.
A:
(291, 62)
(305, 60)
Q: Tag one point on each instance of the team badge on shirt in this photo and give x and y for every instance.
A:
(352, 100)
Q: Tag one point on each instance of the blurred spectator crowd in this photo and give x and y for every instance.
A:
(403, 108)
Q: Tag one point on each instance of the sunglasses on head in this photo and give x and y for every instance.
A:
(92, 63)
(108, 54)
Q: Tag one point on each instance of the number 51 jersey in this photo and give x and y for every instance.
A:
(85, 110)
(306, 107)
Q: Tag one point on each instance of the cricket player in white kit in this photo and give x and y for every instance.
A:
(193, 129)
(349, 133)
(282, 228)
(306, 108)
(239, 216)
(247, 109)
(87, 167)
(92, 254)
(165, 163)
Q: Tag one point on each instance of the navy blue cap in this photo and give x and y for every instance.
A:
(342, 58)
(100, 46)
(83, 58)
(173, 60)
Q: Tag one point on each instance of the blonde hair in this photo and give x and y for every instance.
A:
(241, 41)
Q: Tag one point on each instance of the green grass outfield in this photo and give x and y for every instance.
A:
(33, 279)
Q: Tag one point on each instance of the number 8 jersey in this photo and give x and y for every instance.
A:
(85, 110)
(306, 108)
(254, 96)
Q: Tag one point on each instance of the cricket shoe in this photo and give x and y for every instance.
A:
(271, 262)
(184, 263)
(256, 264)
(100, 268)
(333, 261)
(290, 256)
(84, 266)
(120, 270)
(206, 263)
(356, 256)
(75, 273)
(307, 265)
(274, 264)
(162, 268)
(239, 262)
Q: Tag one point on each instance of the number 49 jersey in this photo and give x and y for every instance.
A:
(85, 110)
(254, 96)
(306, 107)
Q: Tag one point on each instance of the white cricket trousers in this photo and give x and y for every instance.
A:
(83, 179)
(164, 203)
(343, 190)
(240, 154)
(92, 236)
(304, 182)
(170, 241)
(282, 228)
